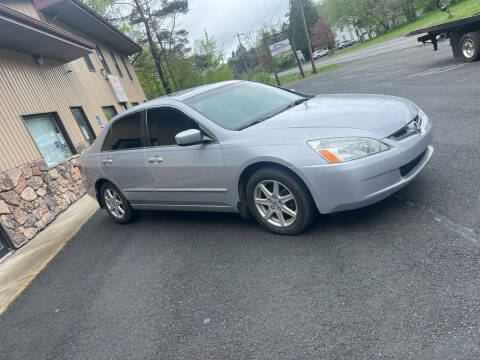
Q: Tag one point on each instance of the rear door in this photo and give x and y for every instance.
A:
(122, 159)
(184, 175)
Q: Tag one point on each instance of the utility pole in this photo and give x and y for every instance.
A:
(271, 60)
(296, 55)
(314, 68)
(243, 56)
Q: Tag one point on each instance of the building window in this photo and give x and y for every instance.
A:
(134, 103)
(109, 112)
(89, 63)
(124, 134)
(83, 124)
(102, 60)
(123, 105)
(50, 137)
(116, 64)
(126, 68)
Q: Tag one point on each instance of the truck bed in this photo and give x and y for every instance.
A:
(454, 25)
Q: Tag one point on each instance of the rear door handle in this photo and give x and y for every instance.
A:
(155, 158)
(107, 161)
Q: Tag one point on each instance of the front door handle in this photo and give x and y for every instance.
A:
(107, 161)
(155, 159)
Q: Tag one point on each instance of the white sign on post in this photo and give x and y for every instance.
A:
(280, 47)
(117, 88)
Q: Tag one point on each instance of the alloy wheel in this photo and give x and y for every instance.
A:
(275, 203)
(114, 203)
(468, 48)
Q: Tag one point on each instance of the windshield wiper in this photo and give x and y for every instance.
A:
(295, 103)
(292, 104)
(253, 123)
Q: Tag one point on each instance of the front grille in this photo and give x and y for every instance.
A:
(412, 128)
(405, 169)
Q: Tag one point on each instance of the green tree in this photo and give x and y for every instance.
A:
(105, 8)
(209, 59)
(296, 28)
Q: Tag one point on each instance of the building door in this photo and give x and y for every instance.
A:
(83, 124)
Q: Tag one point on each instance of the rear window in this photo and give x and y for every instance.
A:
(124, 134)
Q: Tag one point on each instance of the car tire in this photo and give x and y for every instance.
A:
(116, 204)
(470, 46)
(279, 201)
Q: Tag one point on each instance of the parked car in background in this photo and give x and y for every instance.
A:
(251, 148)
(345, 44)
(320, 53)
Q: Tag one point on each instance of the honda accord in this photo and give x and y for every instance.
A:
(255, 149)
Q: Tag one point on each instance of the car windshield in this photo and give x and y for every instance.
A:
(243, 104)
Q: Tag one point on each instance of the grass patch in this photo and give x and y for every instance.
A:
(459, 11)
(288, 79)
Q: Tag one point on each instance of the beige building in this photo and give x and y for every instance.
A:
(64, 72)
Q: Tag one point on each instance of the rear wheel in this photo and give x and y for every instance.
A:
(279, 201)
(470, 46)
(116, 205)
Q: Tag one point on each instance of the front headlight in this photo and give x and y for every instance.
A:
(336, 150)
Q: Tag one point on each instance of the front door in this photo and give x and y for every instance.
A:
(122, 159)
(184, 175)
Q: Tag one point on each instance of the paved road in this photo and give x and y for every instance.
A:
(385, 47)
(397, 280)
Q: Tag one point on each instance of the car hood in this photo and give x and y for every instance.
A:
(379, 114)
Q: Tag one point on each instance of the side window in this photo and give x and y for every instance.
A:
(164, 123)
(126, 68)
(89, 63)
(102, 60)
(124, 134)
(116, 64)
(109, 112)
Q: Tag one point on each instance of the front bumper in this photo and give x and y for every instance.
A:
(358, 183)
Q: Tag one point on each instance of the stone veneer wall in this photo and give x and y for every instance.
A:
(32, 195)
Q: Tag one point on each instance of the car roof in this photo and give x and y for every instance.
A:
(181, 95)
(188, 93)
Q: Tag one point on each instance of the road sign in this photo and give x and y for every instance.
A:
(280, 47)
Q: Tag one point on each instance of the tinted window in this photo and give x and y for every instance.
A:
(164, 123)
(125, 133)
(236, 106)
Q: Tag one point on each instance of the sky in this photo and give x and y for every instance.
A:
(225, 18)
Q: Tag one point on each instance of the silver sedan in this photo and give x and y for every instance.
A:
(258, 150)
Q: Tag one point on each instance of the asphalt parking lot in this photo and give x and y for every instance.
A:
(399, 279)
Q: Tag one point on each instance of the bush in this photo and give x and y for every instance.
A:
(263, 77)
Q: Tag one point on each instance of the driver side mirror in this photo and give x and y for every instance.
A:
(191, 137)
